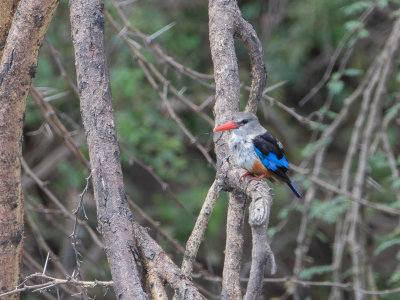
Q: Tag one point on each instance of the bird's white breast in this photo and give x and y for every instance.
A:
(242, 149)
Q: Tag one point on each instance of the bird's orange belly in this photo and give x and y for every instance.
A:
(260, 169)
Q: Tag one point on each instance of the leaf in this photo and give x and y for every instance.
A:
(363, 33)
(392, 112)
(396, 184)
(395, 277)
(307, 150)
(386, 245)
(382, 3)
(357, 7)
(328, 211)
(331, 114)
(352, 72)
(335, 86)
(353, 25)
(317, 270)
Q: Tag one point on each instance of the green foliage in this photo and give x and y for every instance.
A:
(124, 82)
(71, 175)
(396, 183)
(251, 9)
(379, 163)
(395, 277)
(386, 244)
(308, 273)
(329, 211)
(357, 7)
(335, 85)
(153, 139)
(392, 112)
(307, 150)
(353, 72)
(353, 25)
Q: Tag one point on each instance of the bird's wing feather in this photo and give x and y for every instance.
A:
(271, 154)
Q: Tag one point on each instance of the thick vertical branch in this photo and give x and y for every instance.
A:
(7, 10)
(261, 252)
(113, 213)
(225, 21)
(226, 71)
(234, 246)
(18, 66)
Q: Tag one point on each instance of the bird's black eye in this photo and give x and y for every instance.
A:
(244, 121)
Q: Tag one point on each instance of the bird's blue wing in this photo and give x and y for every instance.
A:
(271, 161)
(272, 156)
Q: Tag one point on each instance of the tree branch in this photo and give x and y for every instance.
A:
(113, 213)
(18, 67)
(197, 235)
(225, 21)
(231, 288)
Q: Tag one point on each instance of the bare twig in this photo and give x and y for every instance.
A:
(52, 282)
(52, 119)
(58, 203)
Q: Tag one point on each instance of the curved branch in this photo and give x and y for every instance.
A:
(258, 71)
(225, 21)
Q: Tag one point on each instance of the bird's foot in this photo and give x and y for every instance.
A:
(259, 178)
(244, 175)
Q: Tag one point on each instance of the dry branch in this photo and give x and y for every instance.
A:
(197, 235)
(225, 22)
(18, 67)
(7, 10)
(124, 239)
(113, 213)
(231, 288)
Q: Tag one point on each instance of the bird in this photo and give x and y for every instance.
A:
(256, 150)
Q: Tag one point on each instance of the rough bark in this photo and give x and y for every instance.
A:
(113, 213)
(231, 288)
(7, 10)
(155, 259)
(225, 23)
(18, 66)
(197, 235)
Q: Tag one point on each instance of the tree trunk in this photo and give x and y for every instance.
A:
(18, 67)
(113, 213)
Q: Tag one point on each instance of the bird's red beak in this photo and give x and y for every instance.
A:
(227, 126)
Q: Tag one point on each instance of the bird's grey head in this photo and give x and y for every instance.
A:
(244, 123)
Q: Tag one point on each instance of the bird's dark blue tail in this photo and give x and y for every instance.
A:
(293, 188)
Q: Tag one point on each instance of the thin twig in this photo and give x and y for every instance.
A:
(55, 282)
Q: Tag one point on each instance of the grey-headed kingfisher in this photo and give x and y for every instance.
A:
(257, 150)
